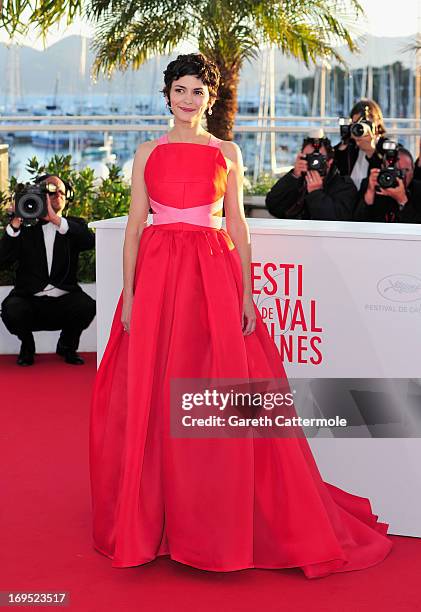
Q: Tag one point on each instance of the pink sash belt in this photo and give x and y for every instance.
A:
(195, 215)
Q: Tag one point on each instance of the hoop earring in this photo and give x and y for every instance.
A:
(210, 111)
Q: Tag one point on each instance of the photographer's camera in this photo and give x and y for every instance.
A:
(316, 161)
(389, 174)
(357, 129)
(31, 200)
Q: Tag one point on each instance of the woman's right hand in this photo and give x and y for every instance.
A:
(127, 311)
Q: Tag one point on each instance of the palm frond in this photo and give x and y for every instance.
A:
(308, 30)
(118, 48)
(17, 16)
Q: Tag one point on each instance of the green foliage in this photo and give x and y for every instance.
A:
(262, 186)
(94, 199)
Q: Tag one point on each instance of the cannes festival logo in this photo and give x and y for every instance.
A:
(400, 288)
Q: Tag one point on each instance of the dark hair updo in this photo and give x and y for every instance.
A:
(192, 64)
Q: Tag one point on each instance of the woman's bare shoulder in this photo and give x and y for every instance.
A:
(144, 149)
(232, 153)
(231, 150)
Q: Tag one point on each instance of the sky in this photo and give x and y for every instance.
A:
(384, 18)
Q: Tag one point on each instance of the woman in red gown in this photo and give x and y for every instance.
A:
(186, 311)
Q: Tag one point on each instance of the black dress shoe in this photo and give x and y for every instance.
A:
(70, 355)
(26, 356)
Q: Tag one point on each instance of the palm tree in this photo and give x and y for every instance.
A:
(227, 31)
(128, 32)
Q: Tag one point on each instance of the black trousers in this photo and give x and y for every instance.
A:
(71, 313)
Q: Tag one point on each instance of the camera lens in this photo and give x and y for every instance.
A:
(357, 130)
(30, 206)
(386, 179)
(316, 162)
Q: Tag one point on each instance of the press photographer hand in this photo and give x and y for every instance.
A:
(370, 194)
(16, 222)
(52, 216)
(398, 193)
(300, 166)
(314, 181)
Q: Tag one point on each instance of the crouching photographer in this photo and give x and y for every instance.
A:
(46, 246)
(313, 189)
(390, 194)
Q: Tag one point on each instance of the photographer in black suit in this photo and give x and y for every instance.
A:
(399, 202)
(313, 189)
(46, 295)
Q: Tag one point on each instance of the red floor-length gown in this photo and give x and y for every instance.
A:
(214, 504)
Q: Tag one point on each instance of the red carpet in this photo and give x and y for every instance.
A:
(45, 523)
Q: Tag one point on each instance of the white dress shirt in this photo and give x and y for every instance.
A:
(360, 169)
(49, 230)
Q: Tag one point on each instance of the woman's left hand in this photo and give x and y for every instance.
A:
(248, 321)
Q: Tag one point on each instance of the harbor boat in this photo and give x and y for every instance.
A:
(98, 153)
(50, 140)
